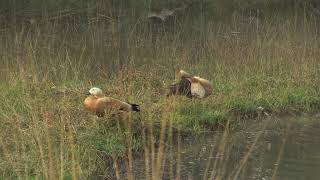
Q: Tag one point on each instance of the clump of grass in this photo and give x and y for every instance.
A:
(194, 118)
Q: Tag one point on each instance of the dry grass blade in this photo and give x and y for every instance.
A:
(245, 158)
(277, 164)
(161, 149)
(146, 152)
(178, 168)
(221, 152)
(116, 166)
(130, 174)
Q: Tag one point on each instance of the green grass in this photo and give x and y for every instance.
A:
(47, 68)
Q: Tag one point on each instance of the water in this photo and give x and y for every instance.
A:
(285, 149)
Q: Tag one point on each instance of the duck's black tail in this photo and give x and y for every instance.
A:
(135, 107)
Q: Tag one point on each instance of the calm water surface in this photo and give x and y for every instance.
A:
(285, 149)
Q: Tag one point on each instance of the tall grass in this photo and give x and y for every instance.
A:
(48, 62)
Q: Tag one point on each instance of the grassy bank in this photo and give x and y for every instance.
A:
(47, 66)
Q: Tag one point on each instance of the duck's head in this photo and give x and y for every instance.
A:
(184, 74)
(96, 92)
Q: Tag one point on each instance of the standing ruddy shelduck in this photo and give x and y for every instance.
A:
(98, 103)
(191, 86)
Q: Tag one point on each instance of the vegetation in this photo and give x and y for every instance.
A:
(51, 58)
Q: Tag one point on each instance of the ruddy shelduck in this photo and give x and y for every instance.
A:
(98, 103)
(191, 86)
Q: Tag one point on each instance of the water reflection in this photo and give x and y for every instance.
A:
(287, 148)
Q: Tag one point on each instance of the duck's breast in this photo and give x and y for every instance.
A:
(90, 103)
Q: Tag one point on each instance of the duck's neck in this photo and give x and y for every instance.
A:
(99, 96)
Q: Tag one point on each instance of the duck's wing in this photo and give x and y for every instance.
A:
(112, 104)
(197, 90)
(205, 84)
(123, 106)
(183, 87)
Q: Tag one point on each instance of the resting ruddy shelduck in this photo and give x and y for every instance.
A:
(98, 103)
(191, 86)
